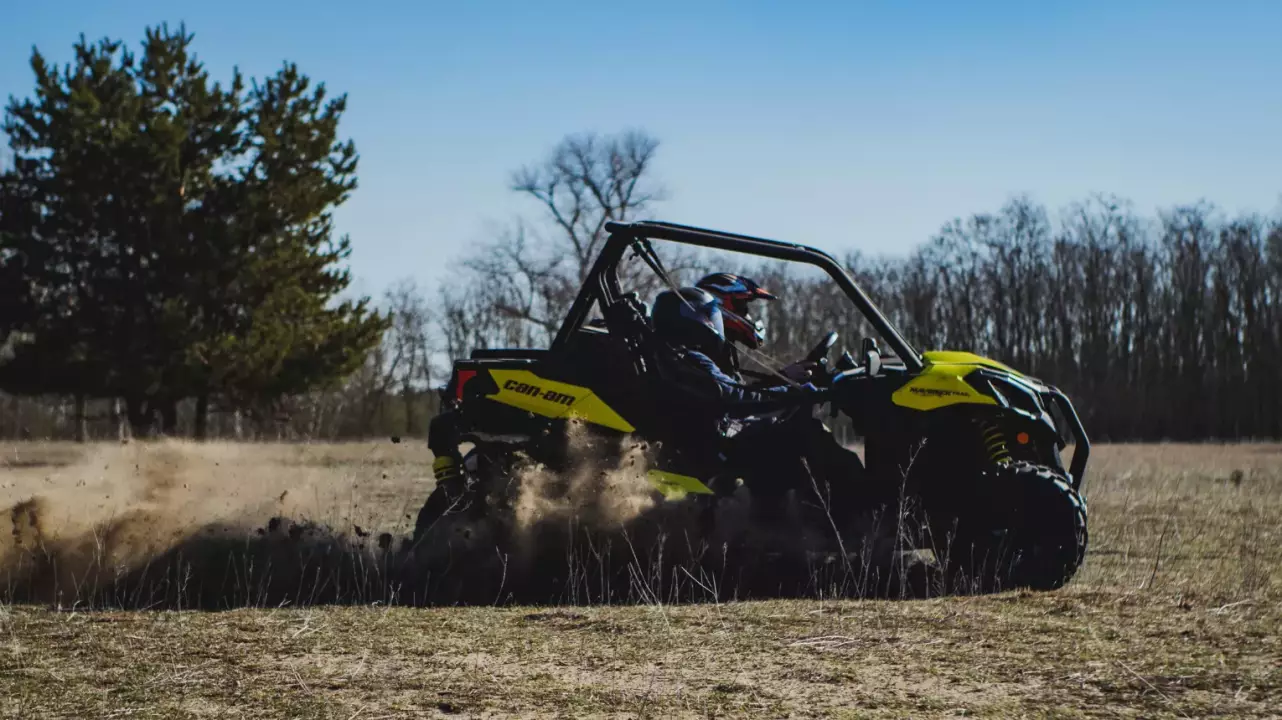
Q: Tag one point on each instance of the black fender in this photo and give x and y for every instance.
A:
(444, 433)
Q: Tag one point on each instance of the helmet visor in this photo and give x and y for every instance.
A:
(706, 313)
(718, 321)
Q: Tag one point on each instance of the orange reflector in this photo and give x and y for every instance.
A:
(1022, 438)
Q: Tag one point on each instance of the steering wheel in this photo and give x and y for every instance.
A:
(820, 351)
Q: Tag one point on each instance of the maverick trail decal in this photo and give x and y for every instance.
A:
(940, 385)
(937, 392)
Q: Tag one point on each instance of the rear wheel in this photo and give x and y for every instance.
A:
(464, 496)
(1026, 527)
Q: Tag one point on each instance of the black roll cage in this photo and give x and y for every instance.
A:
(603, 280)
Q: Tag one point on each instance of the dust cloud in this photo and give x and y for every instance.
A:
(111, 523)
(595, 531)
(173, 524)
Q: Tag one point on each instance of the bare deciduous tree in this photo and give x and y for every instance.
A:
(588, 181)
(409, 341)
(520, 286)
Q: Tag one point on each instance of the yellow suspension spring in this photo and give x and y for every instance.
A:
(445, 469)
(995, 443)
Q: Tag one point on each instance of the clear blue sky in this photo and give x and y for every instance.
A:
(838, 124)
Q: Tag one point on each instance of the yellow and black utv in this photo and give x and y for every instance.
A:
(970, 447)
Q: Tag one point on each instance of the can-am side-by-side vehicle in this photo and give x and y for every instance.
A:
(967, 446)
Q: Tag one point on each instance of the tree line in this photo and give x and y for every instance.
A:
(1167, 327)
(168, 263)
(388, 395)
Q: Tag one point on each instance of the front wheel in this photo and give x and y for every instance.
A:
(1026, 528)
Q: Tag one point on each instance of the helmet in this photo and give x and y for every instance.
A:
(692, 318)
(735, 292)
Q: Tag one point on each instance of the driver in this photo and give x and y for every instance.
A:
(769, 448)
(694, 324)
(736, 292)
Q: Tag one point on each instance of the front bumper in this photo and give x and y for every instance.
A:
(1046, 405)
(1081, 444)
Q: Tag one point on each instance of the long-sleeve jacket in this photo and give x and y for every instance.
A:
(700, 376)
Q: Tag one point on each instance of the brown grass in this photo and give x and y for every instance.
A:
(1176, 613)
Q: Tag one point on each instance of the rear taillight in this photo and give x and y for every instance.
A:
(460, 379)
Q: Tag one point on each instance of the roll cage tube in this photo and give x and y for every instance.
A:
(602, 281)
(597, 287)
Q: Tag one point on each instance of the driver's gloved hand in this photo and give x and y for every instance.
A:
(799, 372)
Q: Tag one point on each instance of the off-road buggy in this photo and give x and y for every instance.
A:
(966, 448)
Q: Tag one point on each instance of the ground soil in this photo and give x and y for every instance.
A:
(1175, 614)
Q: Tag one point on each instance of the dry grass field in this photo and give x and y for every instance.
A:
(1176, 613)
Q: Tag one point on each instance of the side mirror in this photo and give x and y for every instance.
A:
(871, 356)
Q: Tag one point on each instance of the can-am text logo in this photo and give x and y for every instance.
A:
(538, 392)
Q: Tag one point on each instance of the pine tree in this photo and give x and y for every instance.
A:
(274, 329)
(173, 237)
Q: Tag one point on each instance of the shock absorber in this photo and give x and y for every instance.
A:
(445, 469)
(443, 441)
(995, 443)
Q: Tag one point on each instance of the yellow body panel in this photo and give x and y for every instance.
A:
(549, 398)
(674, 486)
(953, 357)
(941, 383)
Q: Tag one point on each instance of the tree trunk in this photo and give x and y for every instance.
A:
(140, 417)
(82, 429)
(15, 407)
(202, 416)
(237, 425)
(407, 393)
(122, 427)
(169, 418)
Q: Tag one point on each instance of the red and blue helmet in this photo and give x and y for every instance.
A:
(735, 292)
